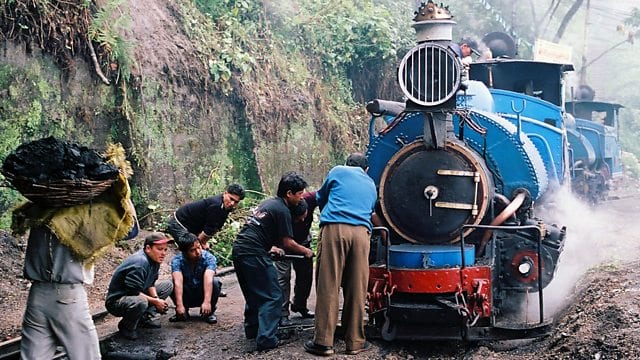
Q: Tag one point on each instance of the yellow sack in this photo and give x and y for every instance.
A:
(89, 229)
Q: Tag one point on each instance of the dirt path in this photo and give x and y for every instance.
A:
(599, 314)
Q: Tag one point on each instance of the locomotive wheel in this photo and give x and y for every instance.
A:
(426, 195)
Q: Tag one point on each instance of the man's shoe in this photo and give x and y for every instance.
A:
(211, 319)
(149, 321)
(269, 347)
(364, 347)
(305, 313)
(179, 318)
(284, 321)
(126, 333)
(150, 324)
(316, 349)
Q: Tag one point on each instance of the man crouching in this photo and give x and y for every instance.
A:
(194, 284)
(133, 293)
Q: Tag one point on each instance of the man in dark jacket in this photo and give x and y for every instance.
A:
(267, 231)
(203, 218)
(133, 292)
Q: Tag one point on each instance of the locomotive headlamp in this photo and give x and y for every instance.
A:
(525, 266)
(430, 74)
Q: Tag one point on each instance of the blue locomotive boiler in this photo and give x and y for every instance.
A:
(460, 167)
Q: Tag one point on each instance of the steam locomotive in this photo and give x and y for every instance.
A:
(460, 167)
(594, 143)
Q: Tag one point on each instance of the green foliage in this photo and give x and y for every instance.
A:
(634, 19)
(630, 131)
(105, 28)
(235, 23)
(224, 242)
(206, 181)
(346, 34)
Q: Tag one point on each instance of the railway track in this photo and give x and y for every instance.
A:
(10, 349)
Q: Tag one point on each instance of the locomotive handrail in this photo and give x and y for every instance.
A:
(514, 229)
(518, 112)
(554, 170)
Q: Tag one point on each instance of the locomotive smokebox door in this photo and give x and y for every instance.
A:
(428, 194)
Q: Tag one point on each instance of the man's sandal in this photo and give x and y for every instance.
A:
(179, 318)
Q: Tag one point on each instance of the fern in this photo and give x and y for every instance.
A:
(105, 29)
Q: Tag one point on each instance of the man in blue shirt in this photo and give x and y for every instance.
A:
(346, 199)
(194, 284)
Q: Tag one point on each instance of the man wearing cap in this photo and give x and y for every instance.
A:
(468, 47)
(133, 292)
(200, 220)
(194, 284)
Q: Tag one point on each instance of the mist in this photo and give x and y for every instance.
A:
(597, 236)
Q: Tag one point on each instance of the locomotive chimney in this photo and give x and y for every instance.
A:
(433, 23)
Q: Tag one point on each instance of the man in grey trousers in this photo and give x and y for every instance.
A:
(57, 309)
(133, 292)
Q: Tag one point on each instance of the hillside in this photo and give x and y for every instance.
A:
(197, 100)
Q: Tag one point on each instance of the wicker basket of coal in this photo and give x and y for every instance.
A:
(56, 173)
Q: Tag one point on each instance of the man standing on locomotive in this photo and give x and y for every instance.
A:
(347, 199)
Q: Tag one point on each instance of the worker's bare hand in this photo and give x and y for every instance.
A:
(161, 306)
(276, 251)
(309, 254)
(205, 308)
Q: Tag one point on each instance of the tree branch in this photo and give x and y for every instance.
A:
(94, 58)
(567, 18)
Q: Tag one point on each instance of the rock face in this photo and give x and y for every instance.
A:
(185, 135)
